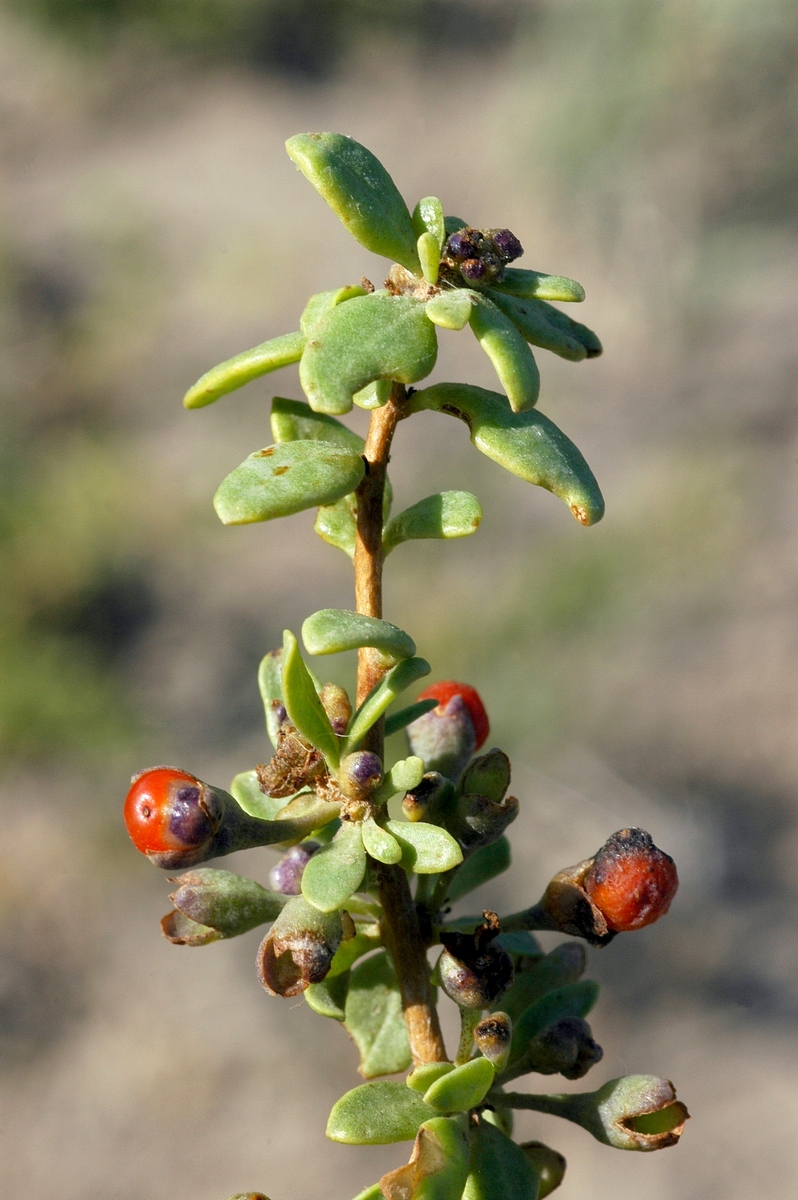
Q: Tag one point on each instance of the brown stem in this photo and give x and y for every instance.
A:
(400, 922)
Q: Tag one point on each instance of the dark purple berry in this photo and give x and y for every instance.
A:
(507, 245)
(473, 270)
(286, 875)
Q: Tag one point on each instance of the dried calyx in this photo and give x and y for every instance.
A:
(474, 969)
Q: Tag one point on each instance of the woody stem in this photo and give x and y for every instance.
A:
(400, 922)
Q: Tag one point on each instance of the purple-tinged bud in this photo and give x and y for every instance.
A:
(566, 1047)
(280, 714)
(462, 244)
(337, 707)
(506, 245)
(473, 270)
(474, 969)
(493, 1037)
(549, 1165)
(299, 948)
(286, 875)
(360, 774)
(444, 738)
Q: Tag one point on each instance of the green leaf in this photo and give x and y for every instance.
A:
(572, 1000)
(285, 479)
(246, 791)
(445, 515)
(484, 864)
(463, 1088)
(304, 708)
(438, 1167)
(379, 843)
(328, 998)
(373, 337)
(452, 224)
(450, 310)
(534, 285)
(271, 688)
(320, 304)
(426, 849)
(404, 775)
(375, 1114)
(360, 192)
(512, 359)
(333, 630)
(498, 1168)
(422, 1077)
(565, 964)
(374, 1018)
(403, 716)
(351, 950)
(547, 327)
(335, 871)
(374, 394)
(295, 421)
(336, 524)
(428, 217)
(235, 372)
(402, 676)
(528, 444)
(429, 254)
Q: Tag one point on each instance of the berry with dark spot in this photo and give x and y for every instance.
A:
(631, 881)
(171, 816)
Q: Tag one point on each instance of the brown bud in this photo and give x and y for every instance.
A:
(299, 948)
(474, 969)
(565, 1047)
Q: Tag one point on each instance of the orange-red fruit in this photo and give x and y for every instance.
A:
(631, 882)
(443, 692)
(165, 812)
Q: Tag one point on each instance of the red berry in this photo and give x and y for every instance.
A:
(443, 692)
(631, 881)
(167, 813)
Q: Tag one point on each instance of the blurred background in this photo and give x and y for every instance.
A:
(641, 672)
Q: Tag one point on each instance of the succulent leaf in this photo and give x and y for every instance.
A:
(461, 1089)
(426, 849)
(399, 720)
(571, 1000)
(429, 254)
(360, 192)
(322, 302)
(271, 689)
(402, 676)
(534, 285)
(295, 421)
(286, 479)
(428, 217)
(451, 310)
(245, 790)
(302, 702)
(512, 359)
(444, 515)
(373, 337)
(242, 368)
(335, 871)
(376, 1114)
(547, 327)
(333, 630)
(374, 1018)
(528, 444)
(498, 1168)
(480, 867)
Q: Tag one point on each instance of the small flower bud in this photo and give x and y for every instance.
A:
(360, 774)
(636, 1112)
(337, 706)
(474, 969)
(286, 875)
(493, 1037)
(631, 881)
(462, 244)
(550, 1166)
(299, 948)
(428, 799)
(478, 820)
(565, 1047)
(220, 904)
(473, 270)
(488, 775)
(172, 816)
(506, 245)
